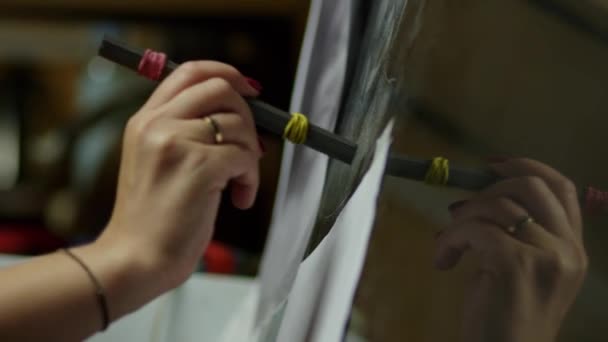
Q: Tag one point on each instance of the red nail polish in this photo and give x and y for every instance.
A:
(255, 84)
(456, 205)
(262, 147)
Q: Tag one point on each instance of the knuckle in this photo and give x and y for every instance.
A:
(505, 204)
(202, 69)
(220, 85)
(227, 70)
(557, 261)
(561, 265)
(138, 126)
(188, 69)
(567, 188)
(534, 182)
(163, 142)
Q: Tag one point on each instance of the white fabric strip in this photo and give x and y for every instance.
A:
(318, 94)
(320, 303)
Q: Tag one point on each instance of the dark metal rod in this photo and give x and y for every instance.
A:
(319, 139)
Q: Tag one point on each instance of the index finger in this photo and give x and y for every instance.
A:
(192, 73)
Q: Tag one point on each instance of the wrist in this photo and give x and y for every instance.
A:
(155, 257)
(127, 278)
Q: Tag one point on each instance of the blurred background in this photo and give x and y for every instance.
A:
(475, 78)
(63, 110)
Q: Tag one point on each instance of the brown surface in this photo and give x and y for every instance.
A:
(509, 78)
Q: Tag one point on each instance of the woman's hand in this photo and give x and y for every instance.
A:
(173, 171)
(172, 174)
(530, 271)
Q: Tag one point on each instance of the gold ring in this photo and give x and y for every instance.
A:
(217, 133)
(520, 224)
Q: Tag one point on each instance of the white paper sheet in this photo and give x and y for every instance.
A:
(242, 325)
(319, 304)
(198, 311)
(318, 93)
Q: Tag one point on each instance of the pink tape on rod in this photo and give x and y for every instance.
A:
(152, 65)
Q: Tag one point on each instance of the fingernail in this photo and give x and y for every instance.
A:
(497, 159)
(255, 84)
(262, 147)
(456, 205)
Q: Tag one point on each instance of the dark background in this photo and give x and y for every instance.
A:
(62, 109)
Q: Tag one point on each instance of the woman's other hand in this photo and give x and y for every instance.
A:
(527, 232)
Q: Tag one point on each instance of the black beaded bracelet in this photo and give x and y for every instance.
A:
(99, 291)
